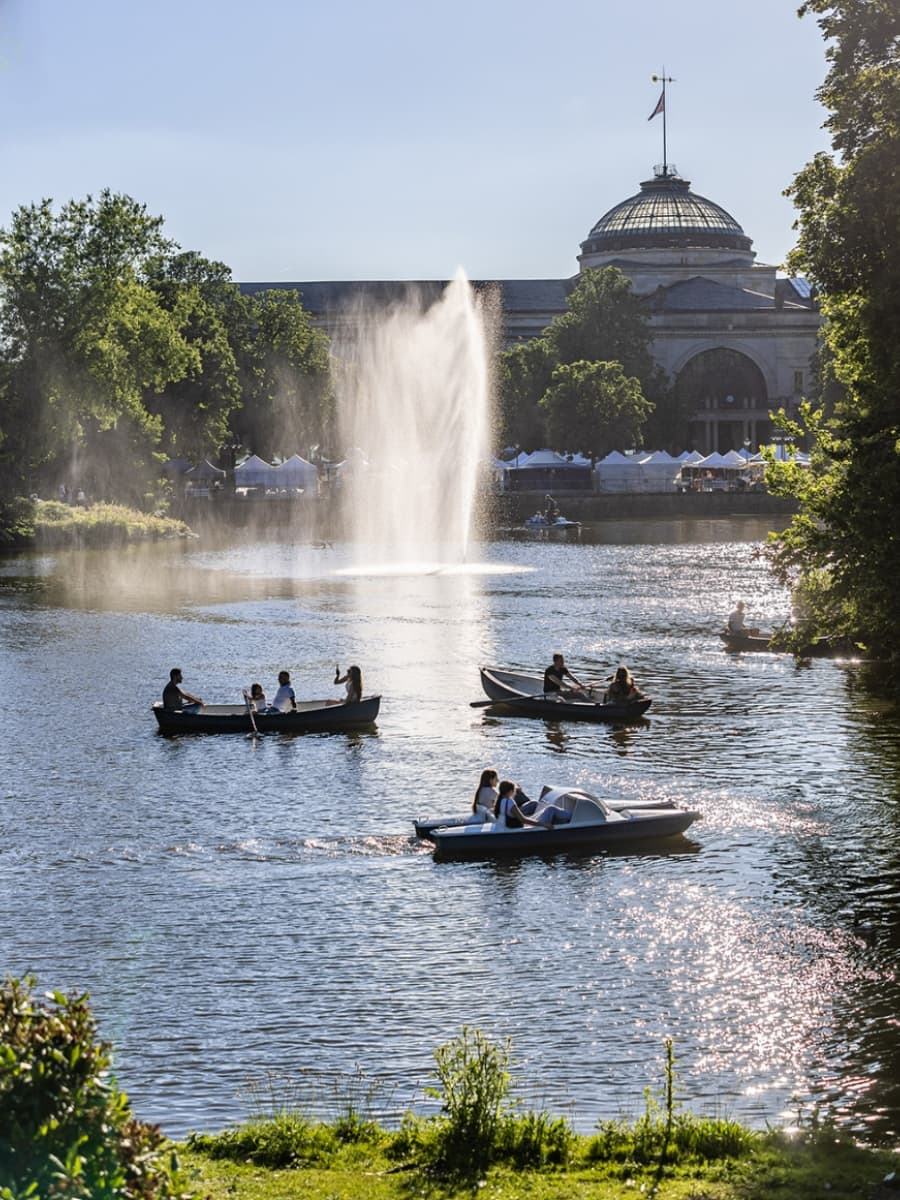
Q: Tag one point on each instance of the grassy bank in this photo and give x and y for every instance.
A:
(811, 1166)
(57, 525)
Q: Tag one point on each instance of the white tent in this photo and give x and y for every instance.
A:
(660, 472)
(204, 473)
(689, 458)
(296, 472)
(619, 473)
(254, 472)
(543, 458)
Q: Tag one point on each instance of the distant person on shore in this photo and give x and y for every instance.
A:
(175, 698)
(555, 677)
(736, 623)
(623, 689)
(285, 700)
(352, 681)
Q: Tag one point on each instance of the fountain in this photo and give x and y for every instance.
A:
(413, 403)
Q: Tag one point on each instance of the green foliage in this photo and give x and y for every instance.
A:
(523, 375)
(67, 1130)
(16, 520)
(532, 1140)
(57, 524)
(286, 1139)
(117, 350)
(285, 370)
(553, 388)
(594, 407)
(841, 553)
(474, 1094)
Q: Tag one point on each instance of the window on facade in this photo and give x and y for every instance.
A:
(798, 381)
(721, 379)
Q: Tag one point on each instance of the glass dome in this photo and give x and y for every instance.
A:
(665, 214)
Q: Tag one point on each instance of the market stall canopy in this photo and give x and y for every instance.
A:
(254, 472)
(203, 473)
(295, 472)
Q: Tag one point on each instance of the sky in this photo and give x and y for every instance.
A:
(401, 139)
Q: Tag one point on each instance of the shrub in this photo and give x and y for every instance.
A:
(16, 520)
(284, 1140)
(474, 1095)
(67, 1130)
(533, 1140)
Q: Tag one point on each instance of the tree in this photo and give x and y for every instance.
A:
(195, 409)
(605, 322)
(285, 369)
(523, 375)
(841, 552)
(594, 407)
(83, 338)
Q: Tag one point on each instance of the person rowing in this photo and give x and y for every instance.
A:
(555, 678)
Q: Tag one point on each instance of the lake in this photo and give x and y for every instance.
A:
(257, 915)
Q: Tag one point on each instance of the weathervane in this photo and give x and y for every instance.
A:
(661, 108)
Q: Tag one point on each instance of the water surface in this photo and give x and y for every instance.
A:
(236, 908)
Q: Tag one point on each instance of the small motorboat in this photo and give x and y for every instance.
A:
(579, 822)
(521, 694)
(426, 826)
(325, 716)
(540, 521)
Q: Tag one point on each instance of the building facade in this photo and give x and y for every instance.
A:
(735, 340)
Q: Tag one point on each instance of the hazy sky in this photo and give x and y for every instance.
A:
(367, 139)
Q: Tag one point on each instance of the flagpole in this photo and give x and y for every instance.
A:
(664, 79)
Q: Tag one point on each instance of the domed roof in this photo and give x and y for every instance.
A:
(666, 214)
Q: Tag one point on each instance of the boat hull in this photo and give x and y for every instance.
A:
(521, 694)
(311, 716)
(824, 648)
(474, 842)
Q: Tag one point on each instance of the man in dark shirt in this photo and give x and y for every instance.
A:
(555, 677)
(173, 697)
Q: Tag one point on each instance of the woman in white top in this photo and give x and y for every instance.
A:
(486, 794)
(353, 682)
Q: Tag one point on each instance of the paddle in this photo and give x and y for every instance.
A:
(249, 703)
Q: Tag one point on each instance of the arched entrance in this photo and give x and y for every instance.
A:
(726, 399)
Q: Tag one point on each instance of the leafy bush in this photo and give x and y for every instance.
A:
(67, 1130)
(534, 1140)
(474, 1095)
(58, 524)
(280, 1141)
(16, 520)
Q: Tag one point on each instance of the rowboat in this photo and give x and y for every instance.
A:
(325, 716)
(521, 694)
(588, 823)
(425, 826)
(820, 648)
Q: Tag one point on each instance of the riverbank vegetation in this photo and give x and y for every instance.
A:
(67, 1130)
(841, 554)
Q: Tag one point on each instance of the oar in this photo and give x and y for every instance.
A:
(249, 703)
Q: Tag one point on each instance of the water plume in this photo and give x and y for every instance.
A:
(414, 406)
